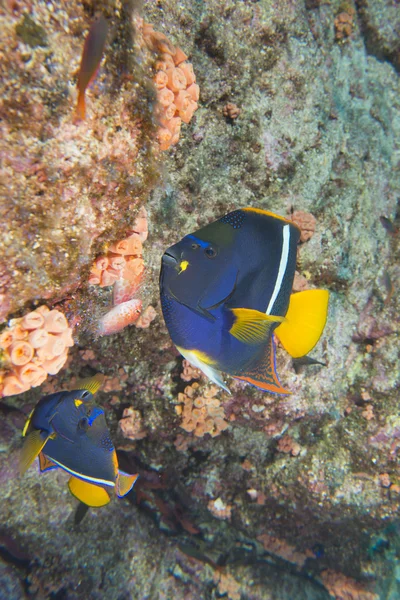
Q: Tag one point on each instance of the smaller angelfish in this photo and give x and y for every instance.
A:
(90, 61)
(68, 430)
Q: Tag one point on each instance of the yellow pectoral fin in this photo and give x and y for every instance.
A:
(33, 444)
(305, 322)
(25, 429)
(252, 326)
(88, 493)
(125, 483)
(92, 384)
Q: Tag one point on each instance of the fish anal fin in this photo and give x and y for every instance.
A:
(305, 322)
(124, 483)
(251, 326)
(206, 364)
(88, 493)
(45, 464)
(32, 446)
(91, 384)
(262, 372)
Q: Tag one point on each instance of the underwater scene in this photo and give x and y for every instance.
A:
(199, 308)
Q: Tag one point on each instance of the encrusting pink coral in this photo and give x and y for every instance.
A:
(175, 82)
(131, 424)
(33, 347)
(202, 411)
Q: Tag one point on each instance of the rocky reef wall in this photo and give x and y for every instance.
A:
(299, 111)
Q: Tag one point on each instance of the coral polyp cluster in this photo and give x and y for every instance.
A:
(33, 346)
(201, 411)
(175, 82)
(122, 267)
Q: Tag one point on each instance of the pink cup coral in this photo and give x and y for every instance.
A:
(34, 346)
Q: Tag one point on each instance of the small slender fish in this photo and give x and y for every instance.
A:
(304, 361)
(90, 61)
(388, 225)
(389, 287)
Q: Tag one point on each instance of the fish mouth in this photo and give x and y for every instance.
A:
(169, 260)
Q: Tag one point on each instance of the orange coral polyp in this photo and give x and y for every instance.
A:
(182, 100)
(38, 338)
(176, 79)
(12, 386)
(194, 91)
(174, 125)
(31, 374)
(55, 364)
(39, 352)
(6, 339)
(55, 322)
(165, 97)
(101, 263)
(179, 56)
(160, 80)
(54, 346)
(21, 353)
(187, 69)
(32, 320)
(187, 114)
(164, 137)
(134, 269)
(131, 245)
(167, 114)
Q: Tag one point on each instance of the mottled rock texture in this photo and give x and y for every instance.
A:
(318, 131)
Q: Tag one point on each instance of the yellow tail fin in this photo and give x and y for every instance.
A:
(124, 483)
(305, 322)
(88, 493)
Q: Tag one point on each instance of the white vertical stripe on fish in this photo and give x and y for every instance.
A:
(282, 267)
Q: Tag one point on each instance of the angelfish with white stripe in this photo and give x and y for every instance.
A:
(67, 430)
(226, 290)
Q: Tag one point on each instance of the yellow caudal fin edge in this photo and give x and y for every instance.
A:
(305, 322)
(33, 445)
(125, 483)
(252, 326)
(88, 493)
(91, 384)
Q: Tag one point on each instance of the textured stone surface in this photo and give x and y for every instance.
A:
(318, 131)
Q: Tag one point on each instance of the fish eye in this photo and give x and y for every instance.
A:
(85, 394)
(83, 424)
(210, 252)
(195, 246)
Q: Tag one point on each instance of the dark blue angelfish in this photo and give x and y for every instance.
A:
(225, 290)
(68, 430)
